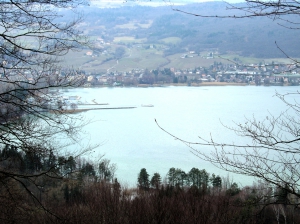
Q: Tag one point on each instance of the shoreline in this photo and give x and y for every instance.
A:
(191, 85)
(203, 84)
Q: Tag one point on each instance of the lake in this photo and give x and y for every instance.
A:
(131, 138)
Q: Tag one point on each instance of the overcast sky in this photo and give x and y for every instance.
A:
(153, 2)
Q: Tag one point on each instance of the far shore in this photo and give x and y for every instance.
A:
(200, 84)
(209, 84)
(194, 84)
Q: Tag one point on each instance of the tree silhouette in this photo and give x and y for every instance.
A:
(269, 152)
(33, 38)
(155, 180)
(143, 179)
(271, 146)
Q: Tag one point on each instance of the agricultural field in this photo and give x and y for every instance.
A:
(171, 40)
(141, 57)
(76, 58)
(146, 25)
(151, 61)
(176, 61)
(128, 39)
(134, 25)
(252, 60)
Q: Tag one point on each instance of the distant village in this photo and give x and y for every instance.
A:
(217, 73)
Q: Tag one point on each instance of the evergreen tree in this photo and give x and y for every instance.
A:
(88, 170)
(281, 195)
(172, 176)
(233, 190)
(106, 170)
(155, 180)
(216, 181)
(177, 177)
(51, 160)
(61, 163)
(70, 165)
(143, 179)
(11, 157)
(198, 178)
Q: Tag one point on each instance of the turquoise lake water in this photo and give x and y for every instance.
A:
(131, 138)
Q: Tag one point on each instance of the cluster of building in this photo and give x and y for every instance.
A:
(256, 74)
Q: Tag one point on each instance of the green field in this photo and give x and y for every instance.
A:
(191, 62)
(128, 39)
(171, 40)
(143, 57)
(251, 60)
(134, 25)
(76, 58)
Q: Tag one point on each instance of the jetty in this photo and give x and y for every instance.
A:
(76, 110)
(89, 104)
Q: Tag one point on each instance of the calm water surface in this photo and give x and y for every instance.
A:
(131, 139)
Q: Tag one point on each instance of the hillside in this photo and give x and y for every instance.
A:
(250, 37)
(157, 37)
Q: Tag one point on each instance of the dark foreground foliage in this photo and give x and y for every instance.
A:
(57, 189)
(87, 201)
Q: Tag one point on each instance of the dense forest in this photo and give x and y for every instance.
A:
(79, 191)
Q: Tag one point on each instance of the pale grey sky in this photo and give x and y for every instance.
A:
(154, 2)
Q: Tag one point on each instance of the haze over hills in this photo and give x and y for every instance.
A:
(250, 36)
(159, 35)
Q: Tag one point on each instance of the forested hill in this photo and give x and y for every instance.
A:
(249, 37)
